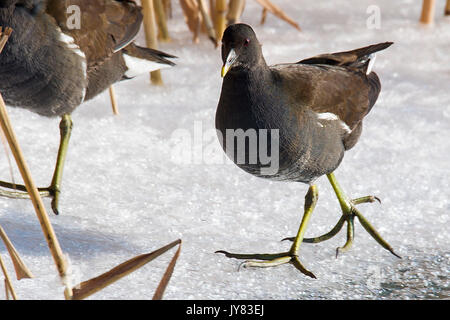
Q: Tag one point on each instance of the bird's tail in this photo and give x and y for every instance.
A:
(362, 58)
(140, 60)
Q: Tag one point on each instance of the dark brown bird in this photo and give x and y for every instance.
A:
(64, 52)
(301, 116)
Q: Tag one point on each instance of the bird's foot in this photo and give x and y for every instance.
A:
(349, 212)
(20, 192)
(291, 256)
(269, 260)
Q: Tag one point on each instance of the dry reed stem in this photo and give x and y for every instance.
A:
(112, 96)
(4, 35)
(168, 8)
(6, 289)
(22, 272)
(89, 287)
(159, 292)
(427, 15)
(278, 12)
(8, 285)
(447, 8)
(207, 21)
(264, 16)
(36, 199)
(220, 20)
(150, 35)
(163, 34)
(192, 17)
(212, 11)
(236, 7)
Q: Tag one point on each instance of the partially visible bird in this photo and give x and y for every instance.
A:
(314, 108)
(64, 52)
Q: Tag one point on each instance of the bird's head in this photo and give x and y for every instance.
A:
(240, 48)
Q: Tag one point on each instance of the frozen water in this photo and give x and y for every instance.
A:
(126, 190)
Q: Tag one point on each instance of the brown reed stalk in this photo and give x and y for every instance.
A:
(87, 288)
(150, 35)
(236, 7)
(278, 12)
(159, 292)
(447, 8)
(22, 272)
(221, 8)
(161, 19)
(264, 16)
(8, 285)
(427, 15)
(192, 17)
(212, 11)
(207, 21)
(112, 96)
(168, 8)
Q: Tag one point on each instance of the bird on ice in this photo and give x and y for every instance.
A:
(316, 107)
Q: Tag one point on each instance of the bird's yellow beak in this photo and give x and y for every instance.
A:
(224, 71)
(231, 59)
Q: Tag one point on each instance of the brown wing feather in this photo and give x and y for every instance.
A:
(323, 88)
(335, 83)
(106, 25)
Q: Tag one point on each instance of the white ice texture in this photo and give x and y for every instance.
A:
(132, 183)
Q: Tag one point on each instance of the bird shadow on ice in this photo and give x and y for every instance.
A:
(25, 233)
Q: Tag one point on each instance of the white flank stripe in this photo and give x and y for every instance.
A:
(372, 59)
(328, 116)
(138, 66)
(345, 126)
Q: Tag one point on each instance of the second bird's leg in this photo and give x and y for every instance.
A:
(291, 256)
(349, 212)
(54, 190)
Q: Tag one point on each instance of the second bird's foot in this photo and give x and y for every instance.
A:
(268, 260)
(20, 192)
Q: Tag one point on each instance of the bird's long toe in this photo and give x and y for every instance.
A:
(268, 260)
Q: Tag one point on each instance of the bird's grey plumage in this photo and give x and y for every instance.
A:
(49, 68)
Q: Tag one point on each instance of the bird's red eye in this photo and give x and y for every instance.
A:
(246, 42)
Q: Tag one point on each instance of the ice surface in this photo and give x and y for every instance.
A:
(126, 190)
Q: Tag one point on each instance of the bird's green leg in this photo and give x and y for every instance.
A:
(54, 189)
(349, 212)
(65, 128)
(291, 256)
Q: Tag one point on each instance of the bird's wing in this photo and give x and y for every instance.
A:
(326, 89)
(104, 26)
(334, 83)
